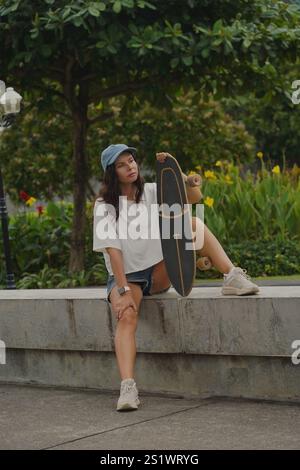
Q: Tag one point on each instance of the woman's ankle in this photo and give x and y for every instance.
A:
(228, 270)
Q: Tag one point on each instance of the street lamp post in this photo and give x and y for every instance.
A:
(9, 107)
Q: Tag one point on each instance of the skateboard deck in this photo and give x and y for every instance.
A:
(180, 261)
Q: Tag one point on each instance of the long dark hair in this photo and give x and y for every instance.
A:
(110, 188)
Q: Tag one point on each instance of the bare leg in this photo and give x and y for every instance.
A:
(125, 347)
(213, 249)
(125, 344)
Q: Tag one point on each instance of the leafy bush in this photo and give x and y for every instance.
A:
(262, 206)
(40, 246)
(60, 278)
(262, 258)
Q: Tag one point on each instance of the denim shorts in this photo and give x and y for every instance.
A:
(144, 278)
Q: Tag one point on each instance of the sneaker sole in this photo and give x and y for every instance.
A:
(128, 405)
(236, 291)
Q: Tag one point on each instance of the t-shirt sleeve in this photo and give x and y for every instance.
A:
(104, 228)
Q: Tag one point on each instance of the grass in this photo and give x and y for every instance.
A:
(258, 278)
(292, 276)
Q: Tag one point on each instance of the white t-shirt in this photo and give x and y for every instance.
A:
(136, 233)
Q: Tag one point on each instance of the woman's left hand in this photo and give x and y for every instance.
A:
(161, 156)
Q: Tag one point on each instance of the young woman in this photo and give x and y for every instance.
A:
(135, 266)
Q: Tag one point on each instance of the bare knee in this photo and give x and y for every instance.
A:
(129, 317)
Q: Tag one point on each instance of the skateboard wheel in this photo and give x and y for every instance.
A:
(204, 263)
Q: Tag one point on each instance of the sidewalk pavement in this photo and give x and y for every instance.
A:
(33, 417)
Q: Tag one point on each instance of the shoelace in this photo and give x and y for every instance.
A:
(240, 271)
(127, 387)
(243, 272)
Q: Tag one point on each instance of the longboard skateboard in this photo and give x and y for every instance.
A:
(180, 261)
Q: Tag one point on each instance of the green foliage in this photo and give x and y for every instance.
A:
(58, 52)
(36, 155)
(214, 133)
(156, 52)
(261, 258)
(264, 206)
(40, 246)
(272, 119)
(42, 164)
(49, 278)
(215, 44)
(38, 240)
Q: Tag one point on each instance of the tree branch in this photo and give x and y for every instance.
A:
(90, 76)
(100, 117)
(130, 86)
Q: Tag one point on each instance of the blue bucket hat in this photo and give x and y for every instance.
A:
(111, 153)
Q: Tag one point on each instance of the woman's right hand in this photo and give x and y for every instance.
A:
(122, 303)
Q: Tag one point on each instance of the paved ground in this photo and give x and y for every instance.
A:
(50, 418)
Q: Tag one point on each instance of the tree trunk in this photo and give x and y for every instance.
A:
(79, 162)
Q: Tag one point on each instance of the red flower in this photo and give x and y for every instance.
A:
(24, 196)
(40, 209)
(29, 200)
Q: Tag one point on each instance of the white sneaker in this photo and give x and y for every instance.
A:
(128, 399)
(237, 282)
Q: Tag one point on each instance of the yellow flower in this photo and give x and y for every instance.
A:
(192, 173)
(260, 155)
(228, 179)
(209, 201)
(219, 163)
(198, 167)
(210, 175)
(31, 201)
(276, 170)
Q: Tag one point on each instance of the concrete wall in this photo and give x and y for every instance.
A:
(203, 345)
